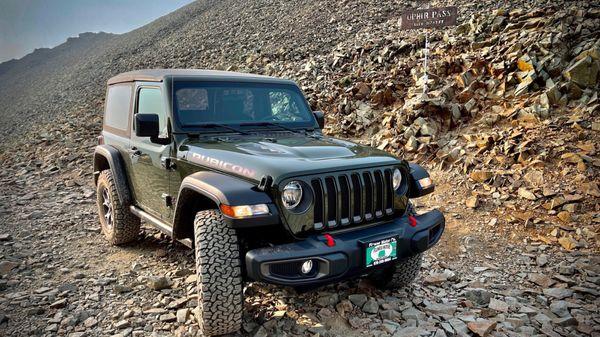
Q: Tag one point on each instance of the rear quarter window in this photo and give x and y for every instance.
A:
(118, 104)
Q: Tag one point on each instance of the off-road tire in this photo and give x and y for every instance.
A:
(220, 299)
(401, 274)
(398, 276)
(125, 226)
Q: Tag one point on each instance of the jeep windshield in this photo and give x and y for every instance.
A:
(204, 105)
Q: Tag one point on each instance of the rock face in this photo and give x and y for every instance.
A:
(482, 328)
(479, 296)
(558, 293)
(508, 127)
(584, 72)
(159, 282)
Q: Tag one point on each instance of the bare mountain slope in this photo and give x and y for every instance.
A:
(44, 59)
(29, 87)
(205, 34)
(263, 36)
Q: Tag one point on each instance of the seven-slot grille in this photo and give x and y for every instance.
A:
(348, 198)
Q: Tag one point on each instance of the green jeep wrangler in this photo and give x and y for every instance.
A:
(236, 167)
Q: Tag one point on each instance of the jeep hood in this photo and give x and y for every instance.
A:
(251, 157)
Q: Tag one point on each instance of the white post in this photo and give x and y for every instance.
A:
(425, 77)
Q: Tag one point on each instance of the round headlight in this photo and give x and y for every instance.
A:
(396, 179)
(292, 195)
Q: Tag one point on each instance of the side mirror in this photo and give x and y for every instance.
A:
(320, 116)
(146, 125)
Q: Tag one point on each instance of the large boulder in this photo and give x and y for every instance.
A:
(583, 72)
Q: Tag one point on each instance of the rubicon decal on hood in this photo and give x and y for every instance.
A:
(223, 165)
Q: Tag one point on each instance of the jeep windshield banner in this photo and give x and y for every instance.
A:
(429, 18)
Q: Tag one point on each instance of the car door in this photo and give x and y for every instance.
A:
(150, 179)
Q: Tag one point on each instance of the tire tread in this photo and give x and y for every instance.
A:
(126, 226)
(220, 301)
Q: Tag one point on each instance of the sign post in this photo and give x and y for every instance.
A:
(425, 77)
(428, 18)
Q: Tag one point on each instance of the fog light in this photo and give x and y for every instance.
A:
(307, 267)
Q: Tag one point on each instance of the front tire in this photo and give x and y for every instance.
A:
(220, 300)
(402, 273)
(118, 224)
(399, 275)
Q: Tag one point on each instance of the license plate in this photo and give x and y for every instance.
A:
(381, 251)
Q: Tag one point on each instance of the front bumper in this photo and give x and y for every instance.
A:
(281, 264)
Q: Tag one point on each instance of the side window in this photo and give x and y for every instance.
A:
(118, 102)
(150, 102)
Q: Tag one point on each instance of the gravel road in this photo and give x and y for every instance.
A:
(59, 277)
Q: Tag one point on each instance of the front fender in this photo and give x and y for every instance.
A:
(216, 189)
(107, 157)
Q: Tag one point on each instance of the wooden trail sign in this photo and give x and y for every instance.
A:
(429, 18)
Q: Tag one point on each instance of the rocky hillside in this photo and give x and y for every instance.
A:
(509, 127)
(31, 85)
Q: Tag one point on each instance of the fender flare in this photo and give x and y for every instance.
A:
(117, 167)
(209, 190)
(417, 172)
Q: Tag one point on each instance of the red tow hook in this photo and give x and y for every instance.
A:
(412, 221)
(330, 242)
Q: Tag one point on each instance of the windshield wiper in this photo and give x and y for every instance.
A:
(303, 131)
(218, 125)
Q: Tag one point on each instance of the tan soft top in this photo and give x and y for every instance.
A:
(158, 75)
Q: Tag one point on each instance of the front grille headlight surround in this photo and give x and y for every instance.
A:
(291, 195)
(396, 179)
(293, 206)
(400, 184)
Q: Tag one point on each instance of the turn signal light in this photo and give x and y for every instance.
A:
(244, 211)
(425, 182)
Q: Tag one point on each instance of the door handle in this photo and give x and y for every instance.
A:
(134, 151)
(167, 163)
